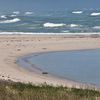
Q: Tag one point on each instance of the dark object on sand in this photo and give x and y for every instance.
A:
(18, 49)
(44, 72)
(44, 48)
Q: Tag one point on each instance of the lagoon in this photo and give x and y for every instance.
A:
(80, 65)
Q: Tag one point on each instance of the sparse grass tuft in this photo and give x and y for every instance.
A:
(21, 91)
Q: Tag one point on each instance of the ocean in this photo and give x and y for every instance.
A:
(64, 22)
(80, 65)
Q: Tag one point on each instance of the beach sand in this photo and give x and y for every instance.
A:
(14, 46)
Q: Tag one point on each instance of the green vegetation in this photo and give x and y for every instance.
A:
(20, 91)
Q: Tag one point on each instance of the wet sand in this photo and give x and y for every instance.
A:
(14, 46)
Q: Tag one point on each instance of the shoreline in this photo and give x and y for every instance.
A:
(68, 34)
(14, 46)
(22, 62)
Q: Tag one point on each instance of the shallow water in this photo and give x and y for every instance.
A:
(82, 66)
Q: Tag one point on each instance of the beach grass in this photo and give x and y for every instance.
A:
(19, 91)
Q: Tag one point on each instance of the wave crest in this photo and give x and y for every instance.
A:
(28, 13)
(3, 16)
(53, 25)
(96, 27)
(95, 14)
(63, 33)
(10, 21)
(16, 12)
(77, 12)
(74, 25)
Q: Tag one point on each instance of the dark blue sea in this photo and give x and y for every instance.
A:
(64, 22)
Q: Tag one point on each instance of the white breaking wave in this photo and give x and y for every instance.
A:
(10, 21)
(87, 34)
(16, 12)
(3, 16)
(53, 25)
(65, 31)
(96, 27)
(28, 13)
(77, 12)
(95, 14)
(74, 25)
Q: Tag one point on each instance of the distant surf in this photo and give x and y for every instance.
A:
(96, 27)
(10, 21)
(3, 16)
(60, 25)
(77, 12)
(53, 24)
(16, 12)
(95, 14)
(28, 13)
(13, 15)
(71, 21)
(74, 25)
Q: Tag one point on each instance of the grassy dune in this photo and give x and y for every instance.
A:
(20, 91)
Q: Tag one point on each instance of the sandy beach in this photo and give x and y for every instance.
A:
(14, 46)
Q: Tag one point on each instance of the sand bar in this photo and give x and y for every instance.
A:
(14, 46)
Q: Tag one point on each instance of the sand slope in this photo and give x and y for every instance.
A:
(14, 46)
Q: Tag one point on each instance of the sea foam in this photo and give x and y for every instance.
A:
(16, 12)
(74, 25)
(96, 27)
(63, 33)
(77, 12)
(28, 13)
(95, 14)
(10, 21)
(3, 16)
(53, 25)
